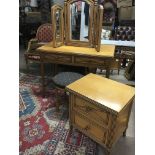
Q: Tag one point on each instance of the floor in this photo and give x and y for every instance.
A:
(125, 145)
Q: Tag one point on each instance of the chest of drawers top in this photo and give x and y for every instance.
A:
(111, 95)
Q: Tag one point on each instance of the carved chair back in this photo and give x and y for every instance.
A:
(125, 33)
(44, 33)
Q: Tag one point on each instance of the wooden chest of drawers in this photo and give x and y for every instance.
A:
(100, 108)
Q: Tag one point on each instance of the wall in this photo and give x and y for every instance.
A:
(126, 13)
(60, 2)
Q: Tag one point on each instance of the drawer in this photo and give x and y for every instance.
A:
(88, 109)
(90, 61)
(89, 128)
(58, 58)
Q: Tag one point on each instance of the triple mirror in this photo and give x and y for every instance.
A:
(79, 23)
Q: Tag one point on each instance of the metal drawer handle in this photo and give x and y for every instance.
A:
(88, 109)
(87, 127)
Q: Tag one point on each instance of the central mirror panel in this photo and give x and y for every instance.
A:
(79, 16)
(79, 21)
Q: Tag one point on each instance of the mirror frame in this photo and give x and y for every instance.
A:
(54, 9)
(98, 24)
(67, 13)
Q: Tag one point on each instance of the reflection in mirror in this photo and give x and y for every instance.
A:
(79, 21)
(58, 23)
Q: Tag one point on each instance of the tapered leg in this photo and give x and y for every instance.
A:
(43, 80)
(57, 106)
(70, 127)
(55, 69)
(108, 152)
(86, 70)
(118, 71)
(107, 72)
(124, 133)
(92, 70)
(27, 65)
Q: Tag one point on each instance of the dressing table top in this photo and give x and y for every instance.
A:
(105, 51)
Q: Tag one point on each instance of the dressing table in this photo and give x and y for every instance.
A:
(76, 56)
(77, 37)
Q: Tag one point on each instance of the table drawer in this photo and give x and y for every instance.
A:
(88, 109)
(90, 129)
(90, 61)
(58, 58)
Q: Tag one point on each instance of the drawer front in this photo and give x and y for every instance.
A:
(58, 58)
(88, 109)
(90, 61)
(90, 129)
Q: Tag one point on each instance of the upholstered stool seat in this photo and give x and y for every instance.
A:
(62, 79)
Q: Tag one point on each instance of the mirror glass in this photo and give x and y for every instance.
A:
(79, 21)
(58, 25)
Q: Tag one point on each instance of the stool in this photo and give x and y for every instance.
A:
(62, 79)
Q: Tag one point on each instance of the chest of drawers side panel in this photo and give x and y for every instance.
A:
(119, 125)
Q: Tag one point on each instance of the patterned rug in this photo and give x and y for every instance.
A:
(43, 131)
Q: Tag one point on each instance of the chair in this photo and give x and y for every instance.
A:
(124, 33)
(43, 36)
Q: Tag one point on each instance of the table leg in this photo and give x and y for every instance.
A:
(70, 127)
(43, 79)
(108, 152)
(124, 133)
(55, 69)
(107, 72)
(27, 65)
(107, 67)
(92, 70)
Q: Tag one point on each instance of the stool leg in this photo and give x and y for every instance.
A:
(57, 101)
